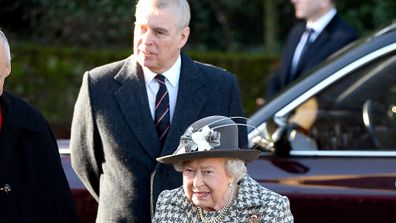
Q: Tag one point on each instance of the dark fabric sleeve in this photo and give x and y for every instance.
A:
(85, 151)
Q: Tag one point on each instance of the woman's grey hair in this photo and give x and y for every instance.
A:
(179, 8)
(4, 40)
(234, 167)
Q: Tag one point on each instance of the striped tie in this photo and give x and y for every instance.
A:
(162, 117)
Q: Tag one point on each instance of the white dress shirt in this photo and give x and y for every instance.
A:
(317, 26)
(172, 84)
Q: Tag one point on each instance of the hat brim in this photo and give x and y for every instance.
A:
(247, 155)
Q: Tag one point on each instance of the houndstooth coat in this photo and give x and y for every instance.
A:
(254, 203)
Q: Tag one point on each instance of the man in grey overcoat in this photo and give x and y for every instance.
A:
(116, 136)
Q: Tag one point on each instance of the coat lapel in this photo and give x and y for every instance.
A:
(319, 45)
(315, 48)
(15, 123)
(8, 139)
(132, 99)
(290, 49)
(190, 101)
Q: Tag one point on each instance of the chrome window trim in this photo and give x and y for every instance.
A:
(342, 153)
(64, 151)
(326, 82)
(63, 145)
(257, 131)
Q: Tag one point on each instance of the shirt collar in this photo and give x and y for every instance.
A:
(319, 25)
(172, 75)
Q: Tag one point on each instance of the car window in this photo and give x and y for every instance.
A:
(357, 112)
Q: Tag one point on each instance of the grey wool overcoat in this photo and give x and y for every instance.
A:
(114, 142)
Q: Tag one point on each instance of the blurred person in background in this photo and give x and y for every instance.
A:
(33, 186)
(321, 33)
(130, 112)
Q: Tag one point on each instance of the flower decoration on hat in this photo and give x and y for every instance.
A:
(203, 139)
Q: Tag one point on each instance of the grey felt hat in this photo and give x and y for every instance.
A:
(213, 136)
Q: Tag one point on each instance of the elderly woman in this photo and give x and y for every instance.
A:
(216, 187)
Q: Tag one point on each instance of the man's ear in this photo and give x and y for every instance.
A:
(7, 70)
(184, 36)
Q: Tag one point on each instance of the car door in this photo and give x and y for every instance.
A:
(335, 145)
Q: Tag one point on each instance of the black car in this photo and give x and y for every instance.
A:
(330, 138)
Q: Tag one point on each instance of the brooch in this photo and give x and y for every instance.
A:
(253, 219)
(5, 189)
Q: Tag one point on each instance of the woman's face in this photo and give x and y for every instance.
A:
(205, 182)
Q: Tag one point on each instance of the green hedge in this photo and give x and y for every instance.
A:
(50, 77)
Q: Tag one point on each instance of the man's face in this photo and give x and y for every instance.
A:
(157, 40)
(310, 9)
(5, 67)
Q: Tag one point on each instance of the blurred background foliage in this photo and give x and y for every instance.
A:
(54, 42)
(223, 25)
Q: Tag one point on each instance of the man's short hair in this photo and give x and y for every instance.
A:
(180, 8)
(4, 40)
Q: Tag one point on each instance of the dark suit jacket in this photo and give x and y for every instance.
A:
(114, 143)
(336, 35)
(30, 164)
